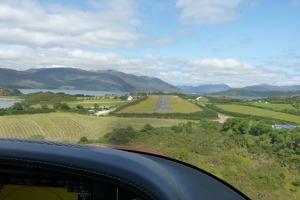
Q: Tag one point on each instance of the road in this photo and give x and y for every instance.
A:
(163, 104)
(103, 112)
(222, 118)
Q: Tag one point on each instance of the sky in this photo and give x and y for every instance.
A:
(182, 42)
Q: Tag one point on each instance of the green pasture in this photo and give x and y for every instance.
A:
(69, 126)
(101, 103)
(178, 104)
(260, 112)
(277, 106)
(143, 107)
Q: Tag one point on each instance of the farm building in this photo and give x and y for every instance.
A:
(198, 98)
(130, 98)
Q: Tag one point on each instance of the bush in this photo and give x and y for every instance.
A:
(83, 140)
(236, 126)
(296, 182)
(260, 128)
(147, 127)
(121, 136)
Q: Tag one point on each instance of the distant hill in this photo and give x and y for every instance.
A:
(70, 78)
(204, 89)
(9, 92)
(262, 90)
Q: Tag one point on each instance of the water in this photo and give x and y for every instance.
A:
(73, 92)
(238, 97)
(7, 103)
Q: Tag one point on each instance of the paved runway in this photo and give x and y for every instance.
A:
(163, 104)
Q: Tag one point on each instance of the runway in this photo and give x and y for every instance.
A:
(163, 104)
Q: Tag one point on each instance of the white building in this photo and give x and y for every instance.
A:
(130, 98)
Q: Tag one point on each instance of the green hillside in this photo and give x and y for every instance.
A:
(250, 163)
(71, 78)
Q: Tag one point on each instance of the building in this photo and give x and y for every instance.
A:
(129, 98)
(198, 98)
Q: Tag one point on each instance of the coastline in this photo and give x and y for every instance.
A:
(10, 99)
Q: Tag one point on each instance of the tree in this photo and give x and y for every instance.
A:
(61, 106)
(122, 136)
(65, 106)
(236, 126)
(96, 105)
(17, 106)
(79, 107)
(260, 128)
(124, 97)
(56, 105)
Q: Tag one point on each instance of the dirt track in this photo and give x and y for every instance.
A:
(222, 118)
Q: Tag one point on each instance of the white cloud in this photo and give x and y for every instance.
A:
(208, 11)
(229, 71)
(109, 25)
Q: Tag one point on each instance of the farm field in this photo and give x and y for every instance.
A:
(278, 106)
(70, 127)
(178, 104)
(260, 112)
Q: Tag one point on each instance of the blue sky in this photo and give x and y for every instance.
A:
(183, 42)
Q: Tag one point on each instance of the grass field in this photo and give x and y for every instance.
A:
(280, 106)
(183, 106)
(69, 126)
(260, 112)
(143, 107)
(101, 103)
(179, 106)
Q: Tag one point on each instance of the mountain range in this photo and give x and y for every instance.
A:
(206, 88)
(262, 90)
(112, 80)
(71, 78)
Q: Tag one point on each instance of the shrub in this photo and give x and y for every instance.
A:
(83, 140)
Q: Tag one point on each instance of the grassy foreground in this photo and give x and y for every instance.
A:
(260, 112)
(69, 126)
(259, 176)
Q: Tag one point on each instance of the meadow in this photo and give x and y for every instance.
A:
(70, 126)
(178, 104)
(260, 112)
(101, 103)
(275, 106)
